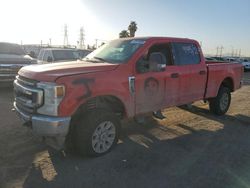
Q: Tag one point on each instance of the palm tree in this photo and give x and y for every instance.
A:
(132, 28)
(123, 34)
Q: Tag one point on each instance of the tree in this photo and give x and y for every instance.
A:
(132, 28)
(123, 34)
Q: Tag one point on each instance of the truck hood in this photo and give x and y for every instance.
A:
(50, 72)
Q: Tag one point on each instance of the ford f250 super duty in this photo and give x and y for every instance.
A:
(85, 100)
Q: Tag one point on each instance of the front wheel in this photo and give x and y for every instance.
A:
(220, 104)
(97, 133)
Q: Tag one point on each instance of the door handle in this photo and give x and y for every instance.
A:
(175, 75)
(202, 72)
(131, 82)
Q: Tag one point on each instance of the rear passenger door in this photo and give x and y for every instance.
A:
(191, 71)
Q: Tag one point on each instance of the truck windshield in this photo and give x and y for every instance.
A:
(6, 48)
(117, 51)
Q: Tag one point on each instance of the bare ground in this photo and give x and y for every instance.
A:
(191, 148)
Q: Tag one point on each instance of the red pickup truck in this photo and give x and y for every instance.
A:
(85, 100)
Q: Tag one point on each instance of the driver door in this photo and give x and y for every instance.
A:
(150, 84)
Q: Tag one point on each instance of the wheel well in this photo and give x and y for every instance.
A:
(108, 102)
(228, 82)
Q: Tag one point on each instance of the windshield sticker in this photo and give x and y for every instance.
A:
(137, 41)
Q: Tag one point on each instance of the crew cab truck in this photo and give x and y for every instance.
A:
(84, 101)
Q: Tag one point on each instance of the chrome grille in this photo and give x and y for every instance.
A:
(27, 97)
(9, 71)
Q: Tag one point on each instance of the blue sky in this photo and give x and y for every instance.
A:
(214, 22)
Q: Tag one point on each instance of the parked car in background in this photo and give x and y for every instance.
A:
(231, 59)
(12, 58)
(210, 59)
(55, 55)
(245, 63)
(32, 50)
(82, 53)
(219, 58)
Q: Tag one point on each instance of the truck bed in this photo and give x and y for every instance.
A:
(217, 71)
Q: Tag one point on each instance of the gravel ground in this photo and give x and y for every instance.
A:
(191, 148)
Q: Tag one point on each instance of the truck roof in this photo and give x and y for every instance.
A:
(158, 38)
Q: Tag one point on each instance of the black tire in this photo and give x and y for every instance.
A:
(87, 126)
(220, 104)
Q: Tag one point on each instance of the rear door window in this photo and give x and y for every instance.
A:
(185, 54)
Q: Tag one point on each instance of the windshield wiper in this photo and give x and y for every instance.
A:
(99, 58)
(96, 60)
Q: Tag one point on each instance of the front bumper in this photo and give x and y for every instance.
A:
(46, 126)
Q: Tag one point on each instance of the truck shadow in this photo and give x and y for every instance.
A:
(238, 118)
(191, 158)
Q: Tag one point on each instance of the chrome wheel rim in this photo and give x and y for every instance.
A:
(103, 137)
(224, 101)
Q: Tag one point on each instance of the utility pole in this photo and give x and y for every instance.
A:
(221, 49)
(81, 41)
(65, 40)
(50, 41)
(217, 51)
(232, 51)
(96, 43)
(239, 53)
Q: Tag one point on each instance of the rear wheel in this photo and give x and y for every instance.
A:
(97, 133)
(220, 104)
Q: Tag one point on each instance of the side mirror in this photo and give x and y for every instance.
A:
(157, 62)
(49, 59)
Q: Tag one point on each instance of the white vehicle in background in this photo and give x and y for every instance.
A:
(56, 55)
(245, 63)
(232, 59)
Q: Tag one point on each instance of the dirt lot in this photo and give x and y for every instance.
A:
(191, 148)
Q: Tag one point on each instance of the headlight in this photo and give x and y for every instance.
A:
(53, 95)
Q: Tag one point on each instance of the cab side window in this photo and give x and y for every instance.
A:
(163, 49)
(159, 51)
(185, 54)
